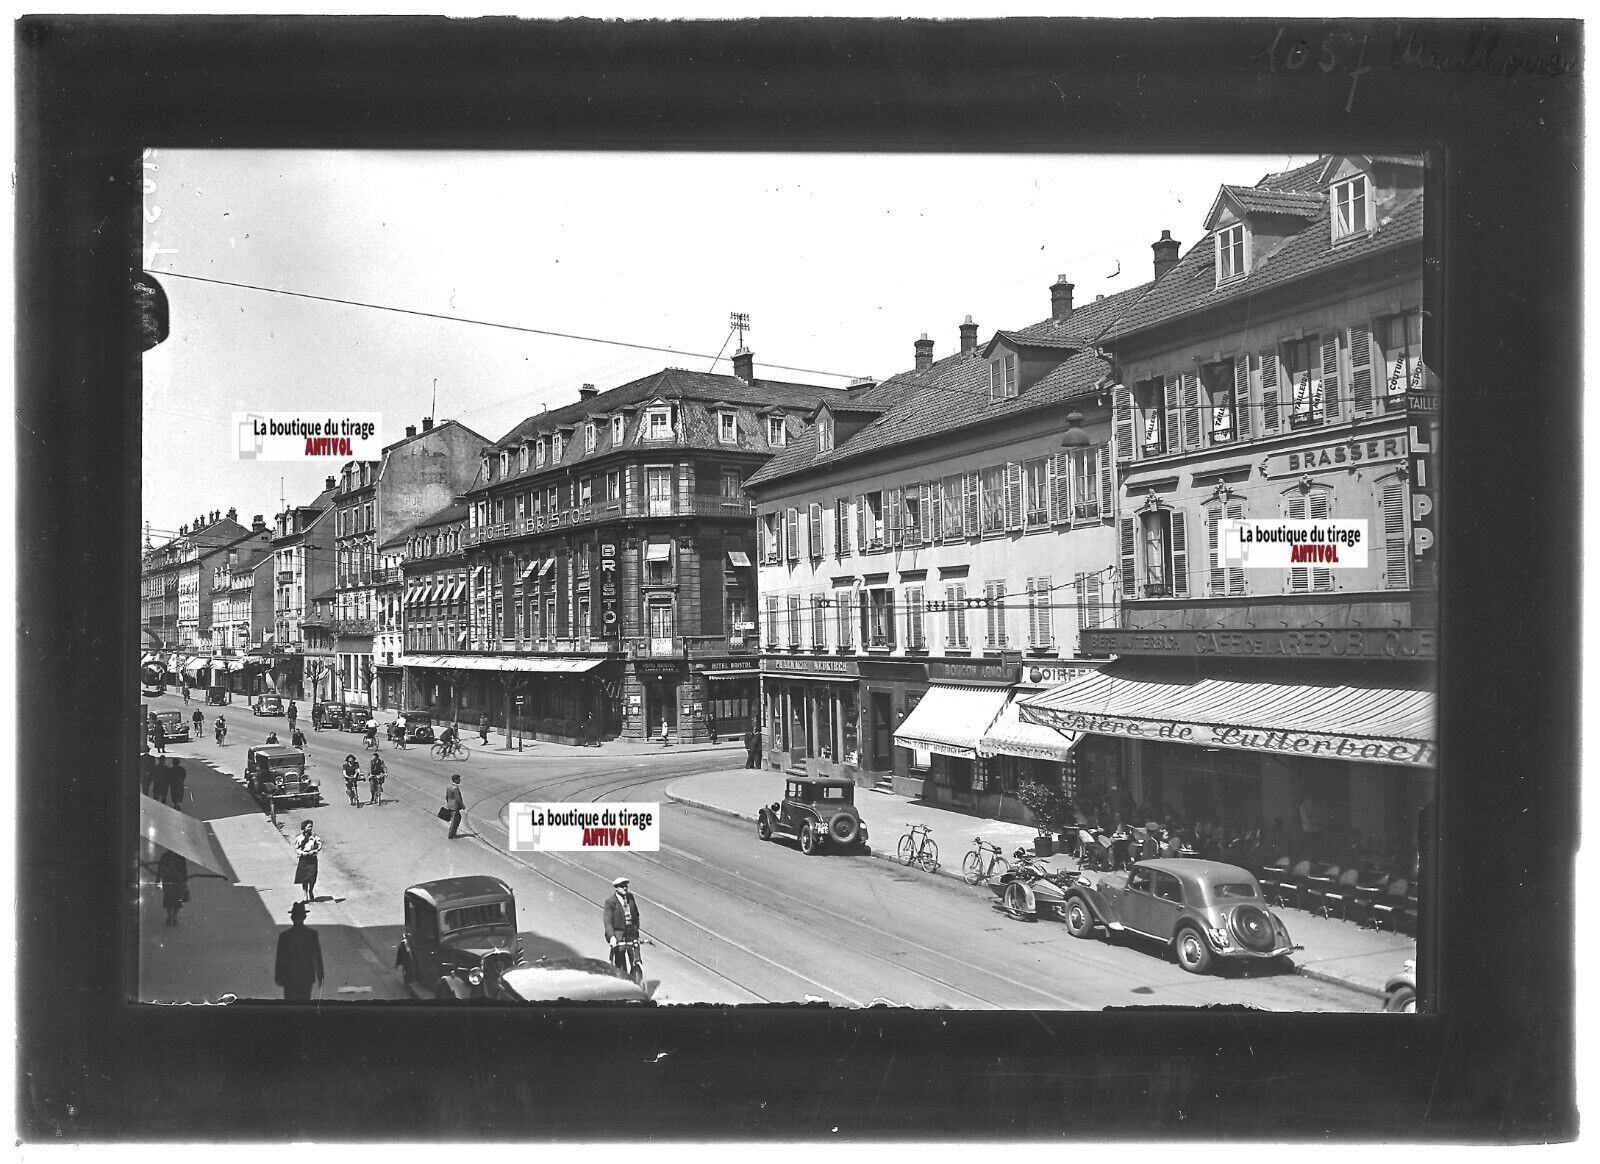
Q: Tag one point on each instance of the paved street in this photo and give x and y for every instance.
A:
(734, 920)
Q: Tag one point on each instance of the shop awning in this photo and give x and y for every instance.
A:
(530, 568)
(658, 552)
(194, 665)
(1010, 735)
(411, 595)
(1373, 718)
(178, 833)
(734, 673)
(549, 564)
(738, 558)
(951, 720)
(455, 590)
(531, 664)
(236, 664)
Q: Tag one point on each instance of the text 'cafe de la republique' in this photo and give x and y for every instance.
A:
(944, 530)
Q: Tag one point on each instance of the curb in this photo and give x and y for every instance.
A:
(945, 871)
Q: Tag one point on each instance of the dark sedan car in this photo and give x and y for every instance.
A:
(173, 725)
(454, 928)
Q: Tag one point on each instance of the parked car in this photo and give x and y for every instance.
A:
(173, 724)
(218, 696)
(1400, 992)
(548, 980)
(457, 930)
(418, 729)
(266, 705)
(355, 719)
(1204, 910)
(276, 776)
(819, 812)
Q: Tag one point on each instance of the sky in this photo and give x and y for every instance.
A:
(840, 261)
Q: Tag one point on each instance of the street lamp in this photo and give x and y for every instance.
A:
(1075, 437)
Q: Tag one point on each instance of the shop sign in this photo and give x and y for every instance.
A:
(1316, 745)
(656, 670)
(723, 664)
(1422, 433)
(1334, 456)
(804, 666)
(1052, 674)
(972, 671)
(1346, 643)
(610, 622)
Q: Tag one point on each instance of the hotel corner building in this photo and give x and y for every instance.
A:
(604, 578)
(1275, 371)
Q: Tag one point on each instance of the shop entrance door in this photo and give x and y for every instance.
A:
(882, 732)
(660, 702)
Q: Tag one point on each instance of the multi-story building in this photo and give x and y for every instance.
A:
(932, 548)
(302, 548)
(232, 584)
(434, 601)
(388, 643)
(1276, 373)
(610, 548)
(373, 502)
(158, 603)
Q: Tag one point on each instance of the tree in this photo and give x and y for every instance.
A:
(1046, 805)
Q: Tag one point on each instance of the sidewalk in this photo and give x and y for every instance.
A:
(1335, 951)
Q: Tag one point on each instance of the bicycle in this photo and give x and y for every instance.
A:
(353, 790)
(455, 751)
(975, 870)
(632, 960)
(222, 733)
(918, 846)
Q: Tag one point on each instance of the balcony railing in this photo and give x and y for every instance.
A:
(629, 505)
(387, 576)
(285, 577)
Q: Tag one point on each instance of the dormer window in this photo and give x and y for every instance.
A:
(522, 459)
(619, 425)
(727, 427)
(1003, 376)
(505, 462)
(824, 432)
(483, 462)
(557, 447)
(658, 424)
(1230, 252)
(542, 452)
(589, 437)
(1350, 206)
(775, 431)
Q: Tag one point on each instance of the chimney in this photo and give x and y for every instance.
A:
(1060, 299)
(411, 431)
(969, 337)
(588, 392)
(1166, 250)
(427, 423)
(259, 524)
(233, 513)
(744, 365)
(332, 481)
(183, 531)
(924, 348)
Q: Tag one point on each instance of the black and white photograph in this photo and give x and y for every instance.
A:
(740, 581)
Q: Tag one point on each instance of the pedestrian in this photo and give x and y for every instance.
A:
(665, 742)
(483, 730)
(172, 874)
(158, 737)
(591, 734)
(711, 727)
(293, 715)
(272, 737)
(456, 803)
(298, 739)
(375, 777)
(147, 771)
(160, 775)
(176, 776)
(306, 846)
(299, 965)
(752, 744)
(316, 717)
(621, 913)
(186, 691)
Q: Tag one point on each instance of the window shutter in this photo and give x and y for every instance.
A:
(1170, 390)
(1270, 420)
(914, 638)
(1092, 593)
(1180, 557)
(764, 534)
(791, 534)
(1299, 576)
(925, 492)
(1013, 495)
(1033, 612)
(1107, 485)
(1317, 510)
(1080, 590)
(894, 517)
(1058, 477)
(863, 525)
(1122, 422)
(1191, 410)
(1217, 577)
(814, 531)
(1241, 396)
(1361, 370)
(1039, 631)
(1394, 536)
(1125, 538)
(933, 511)
(1332, 405)
(969, 504)
(1236, 573)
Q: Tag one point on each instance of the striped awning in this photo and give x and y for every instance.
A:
(536, 664)
(1010, 735)
(530, 568)
(738, 558)
(1377, 718)
(455, 591)
(951, 720)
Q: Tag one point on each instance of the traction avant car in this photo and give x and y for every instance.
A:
(817, 811)
(1203, 910)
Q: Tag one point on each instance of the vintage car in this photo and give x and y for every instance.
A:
(218, 696)
(149, 686)
(458, 930)
(1204, 910)
(1400, 992)
(547, 980)
(276, 776)
(354, 719)
(819, 812)
(266, 705)
(418, 729)
(174, 725)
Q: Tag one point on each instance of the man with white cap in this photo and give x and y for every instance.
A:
(622, 920)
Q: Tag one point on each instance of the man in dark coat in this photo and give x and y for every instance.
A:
(752, 747)
(621, 913)
(299, 957)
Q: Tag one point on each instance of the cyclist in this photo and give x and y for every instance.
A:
(221, 728)
(447, 740)
(298, 738)
(352, 777)
(375, 776)
(621, 912)
(372, 734)
(398, 731)
(199, 723)
(272, 737)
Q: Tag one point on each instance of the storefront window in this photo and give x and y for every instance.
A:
(849, 723)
